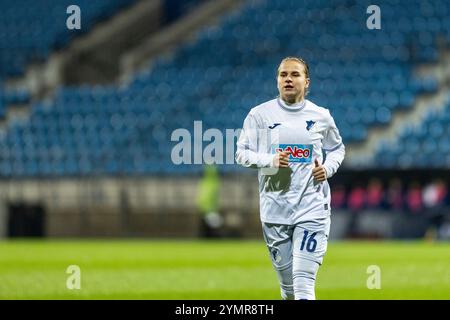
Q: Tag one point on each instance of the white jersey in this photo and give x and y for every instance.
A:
(291, 195)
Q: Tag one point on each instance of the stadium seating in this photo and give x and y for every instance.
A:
(361, 75)
(426, 145)
(32, 29)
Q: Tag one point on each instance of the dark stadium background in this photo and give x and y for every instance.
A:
(86, 116)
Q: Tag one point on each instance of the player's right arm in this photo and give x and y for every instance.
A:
(252, 152)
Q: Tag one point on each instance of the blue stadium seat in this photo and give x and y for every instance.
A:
(362, 76)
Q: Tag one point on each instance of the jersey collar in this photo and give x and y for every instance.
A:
(291, 107)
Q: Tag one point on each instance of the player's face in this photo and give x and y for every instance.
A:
(292, 81)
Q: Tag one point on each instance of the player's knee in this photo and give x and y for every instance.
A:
(306, 269)
(286, 282)
(304, 279)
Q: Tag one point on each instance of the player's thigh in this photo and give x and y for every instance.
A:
(311, 241)
(278, 240)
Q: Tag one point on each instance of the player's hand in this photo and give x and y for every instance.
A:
(319, 172)
(281, 159)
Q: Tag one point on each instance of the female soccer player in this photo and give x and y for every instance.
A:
(285, 138)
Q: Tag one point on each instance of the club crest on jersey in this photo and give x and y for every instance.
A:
(298, 152)
(309, 124)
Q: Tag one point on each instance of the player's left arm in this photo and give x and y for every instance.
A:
(333, 147)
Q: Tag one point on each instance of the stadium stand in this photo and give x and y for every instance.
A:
(27, 39)
(96, 157)
(424, 145)
(110, 130)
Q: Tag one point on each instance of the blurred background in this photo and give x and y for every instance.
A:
(86, 115)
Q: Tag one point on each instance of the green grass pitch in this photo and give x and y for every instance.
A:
(238, 269)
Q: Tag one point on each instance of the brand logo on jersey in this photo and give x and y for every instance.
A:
(309, 124)
(298, 152)
(274, 125)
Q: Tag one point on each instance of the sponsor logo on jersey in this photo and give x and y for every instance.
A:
(298, 152)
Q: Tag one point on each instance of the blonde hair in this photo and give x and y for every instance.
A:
(299, 60)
